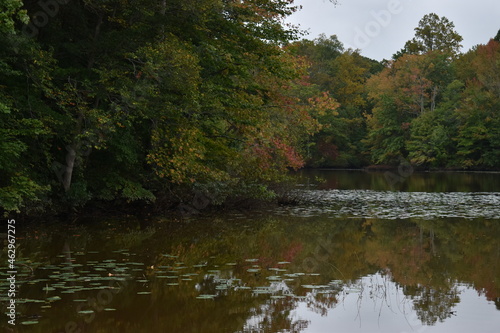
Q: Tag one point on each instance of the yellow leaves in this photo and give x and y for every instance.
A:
(324, 104)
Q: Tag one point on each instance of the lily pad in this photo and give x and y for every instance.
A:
(29, 322)
(86, 312)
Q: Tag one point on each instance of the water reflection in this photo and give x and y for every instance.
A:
(409, 182)
(261, 274)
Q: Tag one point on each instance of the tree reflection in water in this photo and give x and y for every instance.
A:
(271, 274)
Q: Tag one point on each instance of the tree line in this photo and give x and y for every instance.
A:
(429, 105)
(114, 101)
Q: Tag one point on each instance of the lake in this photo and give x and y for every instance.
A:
(360, 251)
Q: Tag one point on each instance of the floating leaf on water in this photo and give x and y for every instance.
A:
(277, 269)
(314, 274)
(274, 278)
(172, 284)
(86, 312)
(48, 288)
(161, 276)
(244, 288)
(231, 264)
(54, 298)
(309, 286)
(29, 322)
(143, 293)
(187, 279)
(261, 291)
(251, 260)
(109, 309)
(142, 281)
(32, 301)
(206, 297)
(80, 300)
(336, 282)
(46, 306)
(221, 287)
(353, 290)
(253, 270)
(283, 262)
(278, 296)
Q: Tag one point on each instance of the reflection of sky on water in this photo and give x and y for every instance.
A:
(381, 306)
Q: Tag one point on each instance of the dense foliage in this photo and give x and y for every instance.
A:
(150, 100)
(430, 105)
(147, 100)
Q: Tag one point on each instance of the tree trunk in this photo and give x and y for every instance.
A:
(70, 165)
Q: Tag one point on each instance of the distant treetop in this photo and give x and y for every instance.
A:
(433, 33)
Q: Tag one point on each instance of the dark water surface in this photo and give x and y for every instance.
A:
(361, 252)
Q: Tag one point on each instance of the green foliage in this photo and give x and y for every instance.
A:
(343, 73)
(118, 102)
(10, 11)
(478, 137)
(20, 193)
(434, 33)
(388, 132)
(132, 102)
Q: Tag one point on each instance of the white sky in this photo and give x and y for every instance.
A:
(379, 28)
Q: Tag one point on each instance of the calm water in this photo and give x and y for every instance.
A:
(361, 252)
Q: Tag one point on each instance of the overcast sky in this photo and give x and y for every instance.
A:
(379, 28)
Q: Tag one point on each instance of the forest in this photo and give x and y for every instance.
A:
(145, 103)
